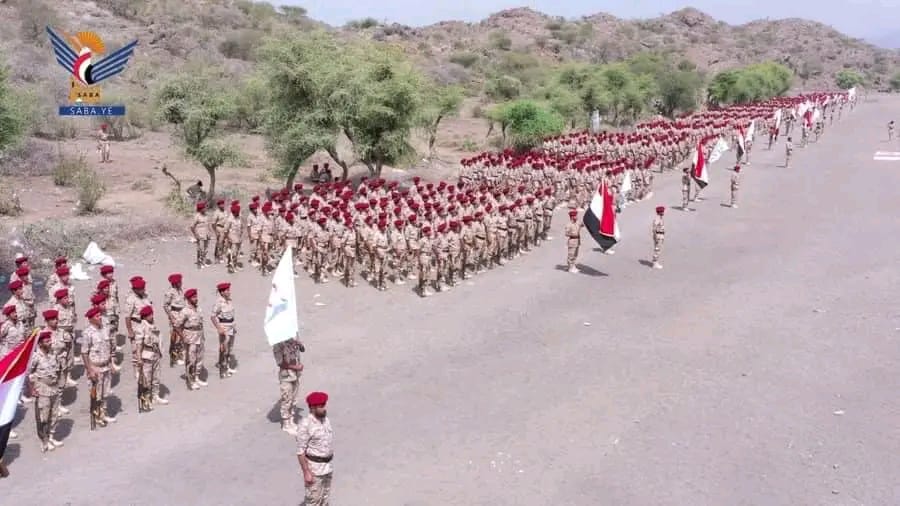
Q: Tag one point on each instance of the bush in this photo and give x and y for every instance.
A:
(241, 44)
(90, 190)
(469, 145)
(500, 40)
(9, 200)
(177, 202)
(504, 88)
(895, 82)
(68, 168)
(362, 24)
(128, 9)
(846, 79)
(465, 59)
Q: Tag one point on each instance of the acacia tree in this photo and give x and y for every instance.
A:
(846, 79)
(438, 102)
(196, 108)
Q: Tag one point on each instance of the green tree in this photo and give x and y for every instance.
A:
(250, 101)
(438, 103)
(846, 79)
(679, 93)
(12, 119)
(197, 107)
(527, 123)
(895, 82)
(755, 82)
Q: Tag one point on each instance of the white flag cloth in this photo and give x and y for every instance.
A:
(626, 183)
(281, 321)
(718, 150)
(751, 132)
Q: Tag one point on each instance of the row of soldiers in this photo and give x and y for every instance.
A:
(60, 347)
(437, 234)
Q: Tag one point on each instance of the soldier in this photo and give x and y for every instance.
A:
(58, 348)
(173, 303)
(133, 303)
(658, 231)
(200, 231)
(149, 349)
(349, 245)
(43, 376)
(12, 332)
(222, 319)
(254, 227)
(98, 300)
(266, 238)
(891, 130)
(425, 262)
(399, 254)
(321, 239)
(24, 311)
(233, 230)
(381, 252)
(65, 312)
(190, 325)
(195, 191)
(103, 144)
(62, 281)
(411, 234)
(107, 273)
(735, 181)
(788, 151)
(287, 357)
(314, 450)
(96, 355)
(573, 240)
(23, 274)
(219, 222)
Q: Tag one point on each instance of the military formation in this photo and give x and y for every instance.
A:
(384, 232)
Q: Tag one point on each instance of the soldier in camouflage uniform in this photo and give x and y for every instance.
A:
(173, 303)
(222, 318)
(65, 312)
(233, 231)
(44, 376)
(287, 358)
(200, 229)
(97, 355)
(219, 219)
(149, 350)
(190, 326)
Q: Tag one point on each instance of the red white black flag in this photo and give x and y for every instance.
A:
(700, 174)
(13, 370)
(600, 219)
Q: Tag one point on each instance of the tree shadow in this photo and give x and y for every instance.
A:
(64, 428)
(646, 263)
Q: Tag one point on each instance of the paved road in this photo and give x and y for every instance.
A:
(759, 367)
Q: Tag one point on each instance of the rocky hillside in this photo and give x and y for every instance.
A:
(174, 33)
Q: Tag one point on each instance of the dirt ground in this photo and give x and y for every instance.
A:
(758, 367)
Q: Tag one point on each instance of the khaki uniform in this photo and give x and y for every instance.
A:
(44, 376)
(266, 238)
(321, 240)
(735, 184)
(287, 353)
(190, 324)
(103, 146)
(233, 230)
(223, 313)
(11, 335)
(133, 305)
(685, 189)
(95, 347)
(112, 308)
(658, 231)
(200, 229)
(219, 220)
(66, 329)
(315, 439)
(149, 345)
(427, 274)
(573, 242)
(173, 303)
(788, 152)
(348, 243)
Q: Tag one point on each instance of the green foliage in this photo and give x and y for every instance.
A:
(895, 82)
(12, 115)
(362, 24)
(438, 102)
(503, 88)
(466, 59)
(67, 169)
(846, 79)
(250, 101)
(90, 190)
(752, 83)
(241, 44)
(500, 40)
(526, 123)
(196, 107)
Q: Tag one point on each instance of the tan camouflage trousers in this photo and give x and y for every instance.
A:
(734, 194)
(287, 401)
(319, 493)
(657, 247)
(571, 254)
(231, 257)
(104, 152)
(685, 197)
(202, 249)
(151, 377)
(194, 362)
(226, 348)
(220, 247)
(46, 414)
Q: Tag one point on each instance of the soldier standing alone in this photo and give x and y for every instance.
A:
(287, 357)
(735, 183)
(573, 240)
(315, 439)
(44, 376)
(658, 230)
(103, 144)
(685, 188)
(788, 151)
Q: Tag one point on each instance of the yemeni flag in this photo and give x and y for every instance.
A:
(600, 219)
(13, 370)
(700, 174)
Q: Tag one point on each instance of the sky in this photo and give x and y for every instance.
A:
(858, 18)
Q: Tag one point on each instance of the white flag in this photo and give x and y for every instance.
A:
(751, 132)
(626, 183)
(718, 150)
(281, 321)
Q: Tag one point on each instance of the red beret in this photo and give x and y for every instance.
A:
(316, 399)
(50, 314)
(45, 334)
(23, 271)
(573, 212)
(21, 260)
(175, 278)
(15, 285)
(103, 283)
(62, 292)
(254, 205)
(190, 292)
(98, 298)
(322, 220)
(60, 261)
(660, 209)
(138, 283)
(146, 311)
(223, 286)
(92, 312)
(220, 202)
(8, 310)
(106, 269)
(737, 168)
(201, 206)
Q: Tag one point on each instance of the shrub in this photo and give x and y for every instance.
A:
(468, 145)
(90, 190)
(67, 169)
(500, 40)
(128, 9)
(9, 200)
(177, 202)
(241, 44)
(504, 88)
(465, 59)
(362, 24)
(35, 16)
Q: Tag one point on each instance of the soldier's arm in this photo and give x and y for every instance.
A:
(303, 437)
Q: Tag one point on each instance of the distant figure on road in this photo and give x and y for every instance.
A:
(735, 183)
(658, 231)
(103, 144)
(573, 240)
(314, 450)
(685, 188)
(891, 130)
(788, 151)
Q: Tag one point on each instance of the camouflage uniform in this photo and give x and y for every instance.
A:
(287, 357)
